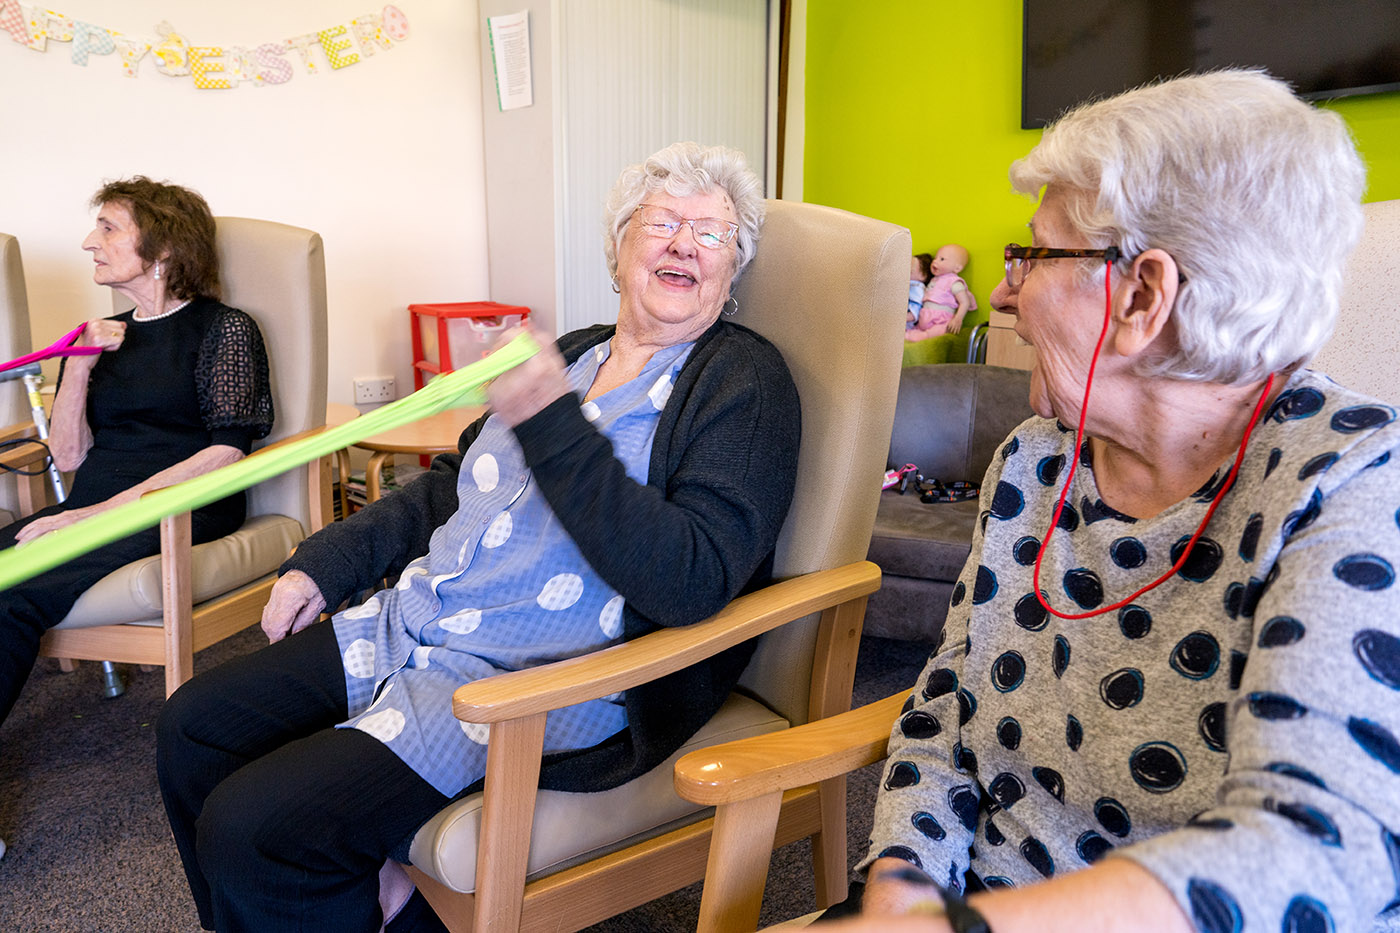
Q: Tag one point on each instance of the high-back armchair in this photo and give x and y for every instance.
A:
(14, 341)
(277, 273)
(821, 287)
(1361, 354)
(162, 609)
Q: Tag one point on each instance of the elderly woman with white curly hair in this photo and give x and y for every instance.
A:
(1166, 698)
(633, 477)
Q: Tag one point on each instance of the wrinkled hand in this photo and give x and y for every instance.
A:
(108, 335)
(894, 887)
(294, 603)
(42, 526)
(518, 394)
(872, 923)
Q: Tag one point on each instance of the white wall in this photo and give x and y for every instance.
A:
(634, 76)
(383, 158)
(521, 187)
(614, 80)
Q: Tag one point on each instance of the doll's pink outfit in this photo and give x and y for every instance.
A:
(940, 292)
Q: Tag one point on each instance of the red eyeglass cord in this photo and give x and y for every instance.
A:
(1074, 463)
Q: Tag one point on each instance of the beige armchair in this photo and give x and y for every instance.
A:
(821, 288)
(19, 494)
(1361, 354)
(162, 609)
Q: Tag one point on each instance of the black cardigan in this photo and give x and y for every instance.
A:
(701, 531)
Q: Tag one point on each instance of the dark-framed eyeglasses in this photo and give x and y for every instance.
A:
(709, 232)
(1020, 259)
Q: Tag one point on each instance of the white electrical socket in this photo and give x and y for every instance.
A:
(374, 390)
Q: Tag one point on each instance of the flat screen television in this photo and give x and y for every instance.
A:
(1077, 50)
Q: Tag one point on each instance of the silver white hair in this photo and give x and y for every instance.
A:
(1253, 192)
(683, 169)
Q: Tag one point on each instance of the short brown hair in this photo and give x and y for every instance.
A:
(925, 266)
(172, 220)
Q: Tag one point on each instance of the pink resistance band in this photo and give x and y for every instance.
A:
(63, 346)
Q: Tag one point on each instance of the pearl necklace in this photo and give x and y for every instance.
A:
(166, 313)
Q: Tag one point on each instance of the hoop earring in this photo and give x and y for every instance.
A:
(157, 270)
(616, 290)
(725, 309)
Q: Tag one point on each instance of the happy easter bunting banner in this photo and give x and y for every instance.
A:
(209, 67)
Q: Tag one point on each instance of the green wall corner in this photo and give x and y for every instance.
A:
(913, 116)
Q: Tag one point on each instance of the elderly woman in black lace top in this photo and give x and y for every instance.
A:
(180, 389)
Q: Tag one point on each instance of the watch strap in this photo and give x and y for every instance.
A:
(962, 916)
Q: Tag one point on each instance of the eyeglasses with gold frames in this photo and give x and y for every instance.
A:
(709, 232)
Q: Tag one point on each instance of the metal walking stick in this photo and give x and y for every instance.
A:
(112, 683)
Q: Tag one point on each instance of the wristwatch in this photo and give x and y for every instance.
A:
(963, 917)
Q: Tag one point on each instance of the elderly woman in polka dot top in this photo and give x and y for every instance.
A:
(633, 478)
(1127, 726)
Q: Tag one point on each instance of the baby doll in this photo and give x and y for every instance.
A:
(918, 277)
(946, 298)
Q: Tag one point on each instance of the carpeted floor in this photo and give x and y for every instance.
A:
(89, 849)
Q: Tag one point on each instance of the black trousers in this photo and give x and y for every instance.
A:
(29, 609)
(282, 822)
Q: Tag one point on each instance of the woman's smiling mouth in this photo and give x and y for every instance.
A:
(675, 277)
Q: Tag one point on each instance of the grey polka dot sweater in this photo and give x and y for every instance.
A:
(1235, 731)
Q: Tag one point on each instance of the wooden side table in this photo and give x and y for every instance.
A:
(436, 434)
(337, 413)
(1004, 348)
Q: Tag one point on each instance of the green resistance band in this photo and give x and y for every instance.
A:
(450, 390)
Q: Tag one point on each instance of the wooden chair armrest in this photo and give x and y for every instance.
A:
(553, 686)
(290, 439)
(316, 475)
(22, 429)
(515, 704)
(779, 761)
(172, 541)
(22, 455)
(27, 460)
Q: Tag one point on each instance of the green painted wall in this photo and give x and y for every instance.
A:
(913, 116)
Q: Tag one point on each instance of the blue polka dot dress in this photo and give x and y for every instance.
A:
(1236, 731)
(502, 588)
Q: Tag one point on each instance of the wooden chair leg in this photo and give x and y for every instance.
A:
(33, 493)
(374, 474)
(318, 479)
(342, 468)
(503, 849)
(67, 665)
(737, 869)
(829, 845)
(833, 677)
(177, 599)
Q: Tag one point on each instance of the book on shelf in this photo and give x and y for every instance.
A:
(391, 478)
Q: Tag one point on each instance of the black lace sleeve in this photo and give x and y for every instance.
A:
(235, 396)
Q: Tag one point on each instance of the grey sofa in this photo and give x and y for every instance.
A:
(950, 420)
